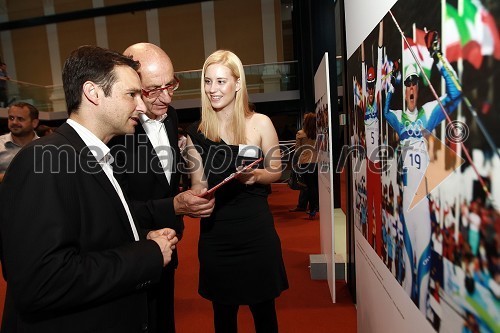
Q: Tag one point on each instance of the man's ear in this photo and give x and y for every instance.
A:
(35, 123)
(91, 92)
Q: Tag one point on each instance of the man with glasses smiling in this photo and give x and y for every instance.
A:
(147, 168)
(411, 125)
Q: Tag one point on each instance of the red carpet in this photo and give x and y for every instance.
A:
(305, 307)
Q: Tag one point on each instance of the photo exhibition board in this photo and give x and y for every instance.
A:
(325, 169)
(423, 120)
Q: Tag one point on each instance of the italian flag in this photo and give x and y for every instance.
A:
(417, 45)
(470, 33)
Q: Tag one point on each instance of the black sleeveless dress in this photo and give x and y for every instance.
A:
(238, 249)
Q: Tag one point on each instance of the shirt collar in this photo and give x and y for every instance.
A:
(10, 141)
(145, 119)
(8, 138)
(96, 146)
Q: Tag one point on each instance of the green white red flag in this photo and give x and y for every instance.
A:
(470, 34)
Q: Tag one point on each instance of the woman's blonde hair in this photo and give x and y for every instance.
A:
(209, 124)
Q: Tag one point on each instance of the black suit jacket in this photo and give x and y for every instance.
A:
(139, 171)
(68, 252)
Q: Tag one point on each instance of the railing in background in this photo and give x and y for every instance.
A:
(261, 78)
(270, 77)
(35, 94)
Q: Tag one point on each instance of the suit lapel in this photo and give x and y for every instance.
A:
(171, 123)
(91, 166)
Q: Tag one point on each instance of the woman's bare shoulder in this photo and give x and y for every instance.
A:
(260, 120)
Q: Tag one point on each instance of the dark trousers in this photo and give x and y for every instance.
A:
(161, 303)
(264, 317)
(309, 197)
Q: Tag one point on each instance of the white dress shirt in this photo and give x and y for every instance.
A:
(157, 134)
(102, 155)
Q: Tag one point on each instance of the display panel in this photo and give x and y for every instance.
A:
(426, 184)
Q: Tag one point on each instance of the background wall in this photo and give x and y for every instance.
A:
(188, 33)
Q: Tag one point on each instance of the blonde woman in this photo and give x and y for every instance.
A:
(239, 250)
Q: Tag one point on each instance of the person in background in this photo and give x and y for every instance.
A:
(305, 149)
(147, 168)
(22, 119)
(239, 249)
(43, 130)
(74, 258)
(4, 98)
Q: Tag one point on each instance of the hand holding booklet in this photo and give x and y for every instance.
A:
(231, 177)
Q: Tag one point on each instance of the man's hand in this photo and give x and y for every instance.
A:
(191, 203)
(166, 240)
(433, 42)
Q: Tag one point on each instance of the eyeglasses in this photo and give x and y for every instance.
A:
(169, 87)
(411, 80)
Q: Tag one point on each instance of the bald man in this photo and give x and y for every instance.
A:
(147, 168)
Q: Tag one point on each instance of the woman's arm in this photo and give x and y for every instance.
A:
(195, 166)
(272, 153)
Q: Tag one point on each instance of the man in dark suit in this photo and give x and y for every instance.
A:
(147, 168)
(73, 257)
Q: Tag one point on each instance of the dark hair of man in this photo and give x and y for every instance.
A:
(310, 125)
(91, 63)
(33, 110)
